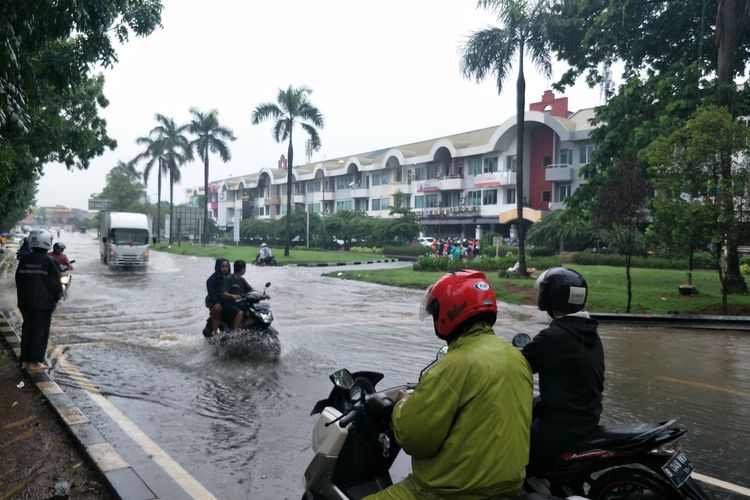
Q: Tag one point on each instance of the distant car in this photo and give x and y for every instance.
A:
(426, 241)
(18, 238)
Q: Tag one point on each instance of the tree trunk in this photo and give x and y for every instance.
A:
(206, 198)
(171, 203)
(290, 160)
(629, 280)
(158, 202)
(520, 108)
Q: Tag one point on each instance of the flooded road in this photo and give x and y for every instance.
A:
(242, 428)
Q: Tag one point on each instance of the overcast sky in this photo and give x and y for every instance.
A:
(382, 73)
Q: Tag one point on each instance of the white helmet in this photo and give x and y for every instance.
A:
(263, 245)
(40, 238)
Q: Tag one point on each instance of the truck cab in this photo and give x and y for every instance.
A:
(124, 239)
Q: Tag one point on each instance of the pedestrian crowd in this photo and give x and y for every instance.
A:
(456, 248)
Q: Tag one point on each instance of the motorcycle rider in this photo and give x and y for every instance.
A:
(38, 288)
(569, 357)
(264, 255)
(466, 425)
(219, 301)
(237, 283)
(58, 255)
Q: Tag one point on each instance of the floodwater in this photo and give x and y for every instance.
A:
(242, 428)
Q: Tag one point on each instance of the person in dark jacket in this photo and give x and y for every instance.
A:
(569, 358)
(38, 288)
(219, 300)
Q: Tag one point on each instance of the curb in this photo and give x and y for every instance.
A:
(334, 264)
(121, 478)
(677, 320)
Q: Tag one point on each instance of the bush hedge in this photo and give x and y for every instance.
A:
(483, 263)
(366, 250)
(406, 250)
(701, 260)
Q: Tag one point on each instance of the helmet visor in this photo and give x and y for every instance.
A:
(425, 308)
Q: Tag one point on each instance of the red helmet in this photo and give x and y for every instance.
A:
(456, 298)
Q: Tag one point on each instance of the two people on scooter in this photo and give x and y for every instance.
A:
(219, 299)
(58, 255)
(466, 425)
(569, 358)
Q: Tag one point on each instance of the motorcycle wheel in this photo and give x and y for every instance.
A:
(628, 483)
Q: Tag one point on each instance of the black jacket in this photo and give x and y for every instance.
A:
(569, 357)
(216, 284)
(38, 282)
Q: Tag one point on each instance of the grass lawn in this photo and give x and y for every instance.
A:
(296, 255)
(654, 290)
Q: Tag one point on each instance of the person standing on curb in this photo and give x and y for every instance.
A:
(38, 288)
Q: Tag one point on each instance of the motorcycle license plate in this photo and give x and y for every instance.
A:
(678, 468)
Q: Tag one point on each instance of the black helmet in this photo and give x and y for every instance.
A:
(58, 246)
(561, 289)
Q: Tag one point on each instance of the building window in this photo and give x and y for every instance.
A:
(419, 202)
(314, 187)
(313, 208)
(510, 163)
(510, 196)
(475, 166)
(563, 191)
(344, 182)
(566, 156)
(586, 151)
(473, 198)
(547, 161)
(344, 205)
(431, 200)
(490, 165)
(489, 197)
(379, 179)
(379, 204)
(546, 196)
(420, 173)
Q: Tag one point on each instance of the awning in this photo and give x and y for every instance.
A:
(528, 213)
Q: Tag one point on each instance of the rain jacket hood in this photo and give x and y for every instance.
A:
(466, 426)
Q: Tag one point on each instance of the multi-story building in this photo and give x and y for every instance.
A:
(459, 185)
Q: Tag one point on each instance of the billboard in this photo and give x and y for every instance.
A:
(99, 204)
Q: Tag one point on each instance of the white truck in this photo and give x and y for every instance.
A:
(124, 239)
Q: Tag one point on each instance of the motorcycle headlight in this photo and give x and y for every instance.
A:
(266, 316)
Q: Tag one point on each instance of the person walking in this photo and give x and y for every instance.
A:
(38, 289)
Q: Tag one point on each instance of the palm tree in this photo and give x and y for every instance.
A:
(152, 155)
(167, 145)
(292, 106)
(210, 139)
(493, 51)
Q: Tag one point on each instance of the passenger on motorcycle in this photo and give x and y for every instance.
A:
(569, 357)
(58, 255)
(264, 255)
(219, 301)
(466, 425)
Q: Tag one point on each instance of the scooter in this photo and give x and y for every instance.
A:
(65, 279)
(267, 261)
(355, 447)
(640, 460)
(255, 338)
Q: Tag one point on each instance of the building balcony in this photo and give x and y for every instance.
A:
(273, 200)
(298, 198)
(451, 183)
(560, 173)
(495, 179)
(359, 192)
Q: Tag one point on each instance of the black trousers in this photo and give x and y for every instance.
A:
(34, 335)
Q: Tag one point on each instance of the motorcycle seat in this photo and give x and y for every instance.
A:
(619, 435)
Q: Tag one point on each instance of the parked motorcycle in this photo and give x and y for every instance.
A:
(256, 338)
(65, 279)
(639, 460)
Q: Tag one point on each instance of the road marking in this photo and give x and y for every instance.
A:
(704, 386)
(187, 482)
(722, 484)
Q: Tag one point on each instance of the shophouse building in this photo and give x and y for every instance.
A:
(460, 185)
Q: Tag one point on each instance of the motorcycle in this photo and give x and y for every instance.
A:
(65, 279)
(638, 460)
(256, 338)
(267, 261)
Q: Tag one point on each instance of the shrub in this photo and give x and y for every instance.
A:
(701, 260)
(366, 250)
(406, 250)
(540, 251)
(484, 263)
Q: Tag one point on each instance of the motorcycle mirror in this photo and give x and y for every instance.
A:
(442, 352)
(342, 379)
(520, 339)
(268, 284)
(72, 261)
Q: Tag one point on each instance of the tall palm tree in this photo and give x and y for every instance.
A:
(152, 156)
(493, 51)
(210, 139)
(167, 145)
(292, 106)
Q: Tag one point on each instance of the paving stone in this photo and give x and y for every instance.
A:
(129, 485)
(105, 457)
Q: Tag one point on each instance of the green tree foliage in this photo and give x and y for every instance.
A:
(672, 52)
(494, 51)
(292, 107)
(49, 100)
(124, 189)
(564, 230)
(697, 201)
(210, 137)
